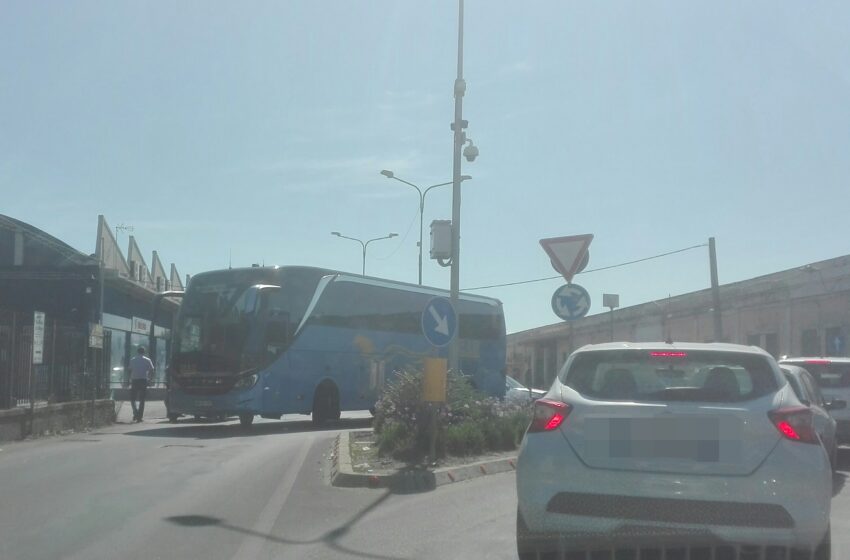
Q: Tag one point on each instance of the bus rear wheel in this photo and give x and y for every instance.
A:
(245, 420)
(326, 404)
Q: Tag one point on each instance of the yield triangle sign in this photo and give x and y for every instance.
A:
(568, 254)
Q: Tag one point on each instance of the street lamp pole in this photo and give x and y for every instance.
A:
(459, 141)
(364, 244)
(390, 175)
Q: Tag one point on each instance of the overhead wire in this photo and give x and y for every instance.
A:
(403, 238)
(667, 254)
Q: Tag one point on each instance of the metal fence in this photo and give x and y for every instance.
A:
(69, 369)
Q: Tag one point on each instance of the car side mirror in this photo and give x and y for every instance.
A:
(836, 404)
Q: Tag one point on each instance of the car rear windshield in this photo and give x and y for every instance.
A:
(828, 374)
(670, 375)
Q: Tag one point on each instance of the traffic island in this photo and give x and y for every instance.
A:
(400, 478)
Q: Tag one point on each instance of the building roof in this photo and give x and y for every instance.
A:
(832, 275)
(63, 254)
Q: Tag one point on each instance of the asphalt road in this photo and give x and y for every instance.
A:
(214, 491)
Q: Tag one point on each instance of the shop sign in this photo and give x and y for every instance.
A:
(96, 336)
(141, 326)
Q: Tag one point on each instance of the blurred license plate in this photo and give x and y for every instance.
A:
(203, 404)
(696, 439)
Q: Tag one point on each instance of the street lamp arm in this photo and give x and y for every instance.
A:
(434, 187)
(346, 237)
(390, 175)
(408, 183)
(379, 238)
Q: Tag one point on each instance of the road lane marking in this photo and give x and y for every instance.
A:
(252, 545)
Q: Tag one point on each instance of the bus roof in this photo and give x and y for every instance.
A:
(356, 278)
(437, 292)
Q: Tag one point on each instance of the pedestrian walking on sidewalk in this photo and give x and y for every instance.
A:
(141, 368)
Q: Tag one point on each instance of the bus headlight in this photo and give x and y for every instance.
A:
(246, 381)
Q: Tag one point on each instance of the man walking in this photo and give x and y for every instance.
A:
(141, 367)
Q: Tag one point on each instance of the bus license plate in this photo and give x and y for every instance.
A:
(203, 404)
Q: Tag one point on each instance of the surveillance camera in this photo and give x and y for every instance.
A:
(470, 152)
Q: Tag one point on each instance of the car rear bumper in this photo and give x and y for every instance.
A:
(786, 502)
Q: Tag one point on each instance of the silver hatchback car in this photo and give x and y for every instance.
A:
(696, 447)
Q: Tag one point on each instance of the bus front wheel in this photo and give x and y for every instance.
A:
(326, 404)
(245, 420)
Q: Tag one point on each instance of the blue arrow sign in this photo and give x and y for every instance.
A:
(439, 321)
(570, 302)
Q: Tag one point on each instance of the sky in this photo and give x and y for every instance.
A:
(245, 132)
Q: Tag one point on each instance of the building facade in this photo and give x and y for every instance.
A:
(801, 311)
(69, 321)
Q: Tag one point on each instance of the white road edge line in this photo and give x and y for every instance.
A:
(253, 545)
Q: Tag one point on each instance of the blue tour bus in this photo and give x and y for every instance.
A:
(270, 341)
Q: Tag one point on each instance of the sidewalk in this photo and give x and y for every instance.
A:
(154, 410)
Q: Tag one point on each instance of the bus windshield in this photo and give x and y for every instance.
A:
(215, 327)
(236, 320)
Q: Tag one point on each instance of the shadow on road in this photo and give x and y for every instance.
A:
(330, 538)
(221, 431)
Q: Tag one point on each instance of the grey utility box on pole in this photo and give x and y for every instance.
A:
(441, 239)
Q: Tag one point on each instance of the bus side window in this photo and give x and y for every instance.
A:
(277, 333)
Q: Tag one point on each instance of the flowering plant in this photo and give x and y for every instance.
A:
(469, 421)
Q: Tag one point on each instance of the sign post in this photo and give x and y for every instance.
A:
(434, 393)
(38, 338)
(37, 357)
(439, 325)
(95, 341)
(611, 301)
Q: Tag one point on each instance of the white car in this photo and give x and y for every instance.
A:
(833, 378)
(516, 392)
(696, 447)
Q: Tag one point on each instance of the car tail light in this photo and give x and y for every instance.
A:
(548, 415)
(795, 423)
(819, 362)
(668, 354)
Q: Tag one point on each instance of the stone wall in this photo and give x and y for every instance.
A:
(45, 419)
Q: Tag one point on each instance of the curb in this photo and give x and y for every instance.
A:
(413, 480)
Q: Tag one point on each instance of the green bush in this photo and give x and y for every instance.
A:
(466, 438)
(470, 422)
(394, 436)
